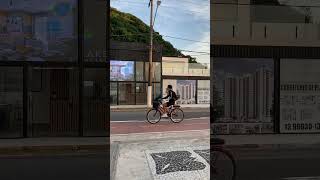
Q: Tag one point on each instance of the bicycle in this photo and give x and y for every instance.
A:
(223, 164)
(154, 115)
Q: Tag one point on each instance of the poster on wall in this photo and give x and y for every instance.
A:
(36, 30)
(299, 96)
(203, 92)
(243, 92)
(121, 70)
(186, 89)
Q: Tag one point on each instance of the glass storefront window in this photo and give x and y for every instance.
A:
(139, 71)
(54, 101)
(146, 71)
(126, 93)
(141, 93)
(113, 93)
(95, 102)
(156, 90)
(11, 102)
(157, 72)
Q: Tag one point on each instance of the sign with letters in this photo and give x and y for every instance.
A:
(299, 107)
(299, 95)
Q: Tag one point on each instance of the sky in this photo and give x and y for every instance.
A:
(187, 19)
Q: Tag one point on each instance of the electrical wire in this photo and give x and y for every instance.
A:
(173, 37)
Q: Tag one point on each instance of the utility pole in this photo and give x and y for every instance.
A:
(149, 98)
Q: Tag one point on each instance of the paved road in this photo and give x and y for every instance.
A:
(278, 165)
(44, 167)
(141, 115)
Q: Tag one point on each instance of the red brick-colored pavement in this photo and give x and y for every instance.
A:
(162, 126)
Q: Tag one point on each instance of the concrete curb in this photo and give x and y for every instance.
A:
(114, 154)
(52, 149)
(272, 146)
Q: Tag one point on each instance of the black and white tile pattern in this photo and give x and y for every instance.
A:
(180, 163)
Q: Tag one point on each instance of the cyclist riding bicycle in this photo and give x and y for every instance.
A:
(172, 96)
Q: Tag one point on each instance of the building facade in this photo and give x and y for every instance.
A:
(190, 81)
(50, 85)
(256, 48)
(129, 73)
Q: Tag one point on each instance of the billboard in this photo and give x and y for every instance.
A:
(243, 93)
(186, 89)
(299, 96)
(121, 70)
(36, 30)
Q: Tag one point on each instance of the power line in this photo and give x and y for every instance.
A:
(184, 39)
(173, 37)
(143, 50)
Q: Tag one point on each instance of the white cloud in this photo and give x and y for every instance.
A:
(201, 47)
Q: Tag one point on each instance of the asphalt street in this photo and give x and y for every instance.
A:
(54, 167)
(278, 164)
(141, 115)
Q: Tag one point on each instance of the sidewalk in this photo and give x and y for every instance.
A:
(146, 156)
(272, 140)
(141, 155)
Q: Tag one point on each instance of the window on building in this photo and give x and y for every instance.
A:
(139, 71)
(113, 93)
(141, 93)
(126, 94)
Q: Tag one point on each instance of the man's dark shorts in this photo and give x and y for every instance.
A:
(171, 102)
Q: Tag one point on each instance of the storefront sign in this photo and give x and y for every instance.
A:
(242, 128)
(299, 107)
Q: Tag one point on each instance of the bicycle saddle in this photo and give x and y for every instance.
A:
(217, 141)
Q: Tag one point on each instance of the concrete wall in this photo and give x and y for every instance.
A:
(262, 25)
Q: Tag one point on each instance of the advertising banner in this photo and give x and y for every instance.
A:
(300, 107)
(299, 96)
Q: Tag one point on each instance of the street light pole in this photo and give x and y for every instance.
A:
(149, 98)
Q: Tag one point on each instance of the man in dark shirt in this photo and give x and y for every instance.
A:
(171, 95)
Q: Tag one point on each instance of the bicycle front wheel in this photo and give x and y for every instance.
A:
(223, 164)
(153, 116)
(177, 115)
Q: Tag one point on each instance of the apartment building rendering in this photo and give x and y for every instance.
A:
(249, 98)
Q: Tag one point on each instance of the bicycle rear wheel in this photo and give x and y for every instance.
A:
(176, 115)
(223, 164)
(153, 116)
